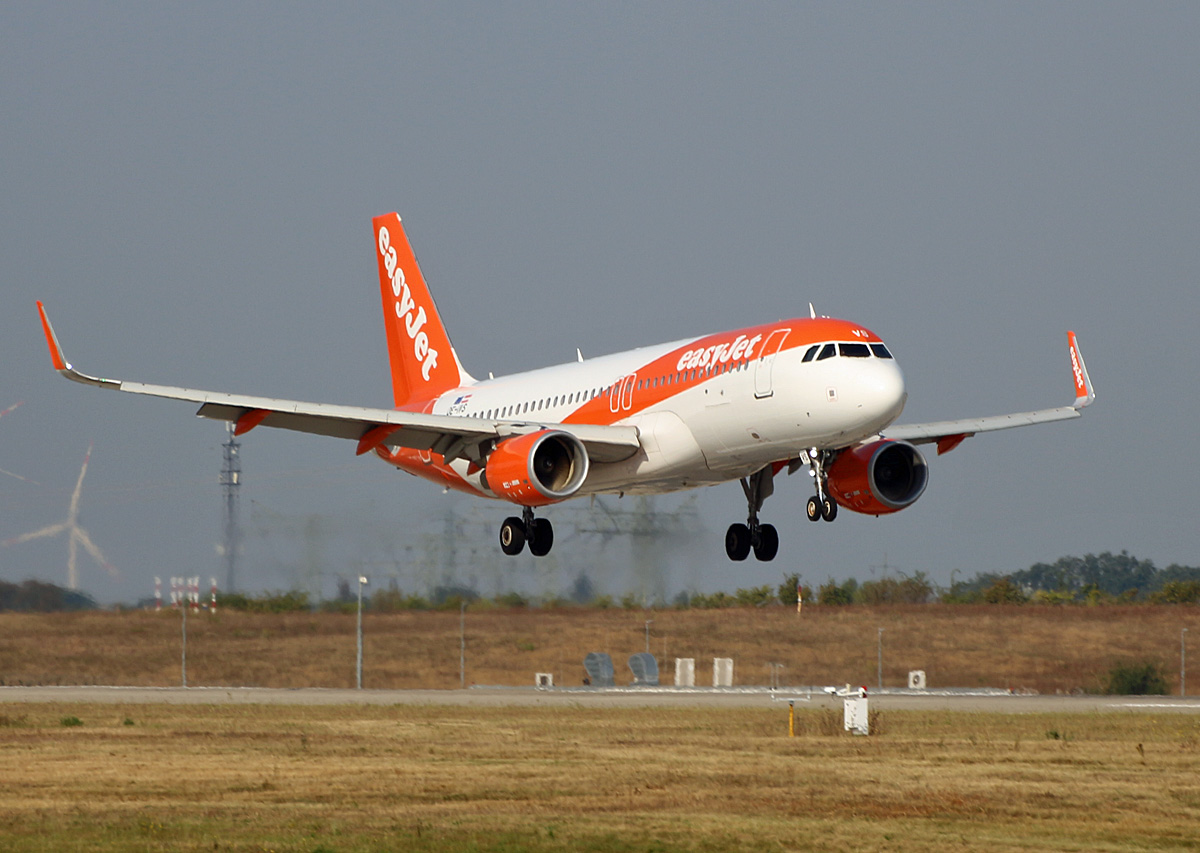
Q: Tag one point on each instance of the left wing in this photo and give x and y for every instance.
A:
(452, 437)
(949, 434)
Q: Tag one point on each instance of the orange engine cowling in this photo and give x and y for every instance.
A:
(540, 468)
(881, 477)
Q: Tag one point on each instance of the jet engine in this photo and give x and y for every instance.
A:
(540, 468)
(877, 478)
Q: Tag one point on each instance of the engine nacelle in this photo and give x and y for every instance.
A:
(881, 477)
(540, 468)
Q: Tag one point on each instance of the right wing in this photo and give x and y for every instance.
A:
(450, 436)
(949, 434)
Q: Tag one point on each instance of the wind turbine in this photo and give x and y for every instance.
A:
(10, 473)
(76, 535)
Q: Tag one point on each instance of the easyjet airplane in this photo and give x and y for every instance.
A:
(813, 392)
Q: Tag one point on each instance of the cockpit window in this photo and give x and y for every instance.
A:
(855, 350)
(880, 351)
(827, 351)
(812, 351)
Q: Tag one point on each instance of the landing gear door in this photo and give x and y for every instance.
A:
(766, 361)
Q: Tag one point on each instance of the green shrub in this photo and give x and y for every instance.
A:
(1178, 592)
(831, 593)
(757, 596)
(1004, 591)
(1136, 679)
(513, 601)
(273, 602)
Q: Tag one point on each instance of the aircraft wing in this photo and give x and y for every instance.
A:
(452, 437)
(949, 434)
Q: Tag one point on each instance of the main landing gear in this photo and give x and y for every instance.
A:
(516, 533)
(821, 505)
(763, 539)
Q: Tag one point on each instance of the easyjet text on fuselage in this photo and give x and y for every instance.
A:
(740, 347)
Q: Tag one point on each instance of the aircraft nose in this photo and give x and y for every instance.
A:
(882, 390)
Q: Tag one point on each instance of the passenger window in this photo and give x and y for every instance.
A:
(827, 351)
(880, 351)
(812, 351)
(855, 350)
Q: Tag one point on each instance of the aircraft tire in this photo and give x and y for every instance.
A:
(737, 542)
(541, 537)
(829, 508)
(512, 536)
(813, 510)
(768, 543)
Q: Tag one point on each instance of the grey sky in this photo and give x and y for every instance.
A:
(189, 189)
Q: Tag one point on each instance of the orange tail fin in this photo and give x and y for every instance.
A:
(424, 363)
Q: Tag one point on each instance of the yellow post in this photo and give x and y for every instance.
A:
(791, 719)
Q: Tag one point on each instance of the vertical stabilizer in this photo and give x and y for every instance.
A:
(423, 363)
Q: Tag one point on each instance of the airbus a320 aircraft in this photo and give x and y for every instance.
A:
(814, 393)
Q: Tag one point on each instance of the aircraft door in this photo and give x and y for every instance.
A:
(766, 361)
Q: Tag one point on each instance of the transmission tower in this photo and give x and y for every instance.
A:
(653, 535)
(231, 481)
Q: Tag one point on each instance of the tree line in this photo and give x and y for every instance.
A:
(1105, 578)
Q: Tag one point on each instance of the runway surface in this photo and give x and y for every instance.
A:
(972, 701)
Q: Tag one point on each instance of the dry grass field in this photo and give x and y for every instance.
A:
(1047, 649)
(425, 778)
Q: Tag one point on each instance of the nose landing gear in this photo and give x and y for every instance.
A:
(821, 505)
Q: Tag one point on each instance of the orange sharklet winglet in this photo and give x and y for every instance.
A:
(374, 437)
(56, 353)
(250, 420)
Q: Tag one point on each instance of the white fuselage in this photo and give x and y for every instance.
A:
(728, 422)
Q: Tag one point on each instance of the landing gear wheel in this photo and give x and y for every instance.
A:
(768, 543)
(512, 536)
(828, 509)
(814, 510)
(541, 537)
(737, 542)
